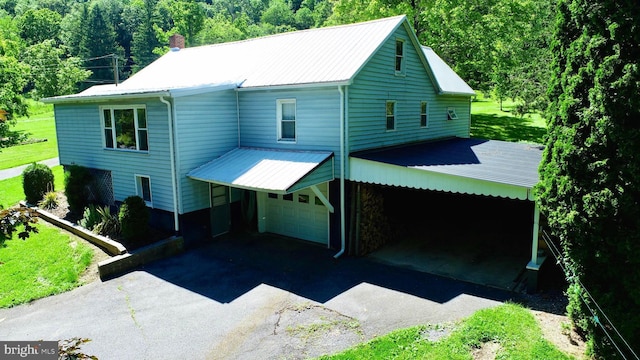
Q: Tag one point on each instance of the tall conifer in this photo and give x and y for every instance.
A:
(590, 173)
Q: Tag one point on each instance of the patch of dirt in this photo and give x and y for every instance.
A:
(310, 330)
(487, 351)
(549, 309)
(557, 330)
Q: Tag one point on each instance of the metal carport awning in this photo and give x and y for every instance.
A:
(268, 170)
(459, 165)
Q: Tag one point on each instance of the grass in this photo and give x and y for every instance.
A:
(11, 191)
(512, 326)
(41, 125)
(47, 263)
(489, 122)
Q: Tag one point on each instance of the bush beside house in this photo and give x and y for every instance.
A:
(134, 220)
(37, 180)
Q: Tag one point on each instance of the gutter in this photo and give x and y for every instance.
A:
(100, 98)
(342, 174)
(176, 219)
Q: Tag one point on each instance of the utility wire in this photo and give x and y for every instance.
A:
(558, 255)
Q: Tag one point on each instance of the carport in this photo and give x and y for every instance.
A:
(493, 174)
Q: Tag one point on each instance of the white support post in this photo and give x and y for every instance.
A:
(535, 262)
(261, 199)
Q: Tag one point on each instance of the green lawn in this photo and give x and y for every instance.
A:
(46, 263)
(11, 191)
(489, 122)
(41, 125)
(511, 326)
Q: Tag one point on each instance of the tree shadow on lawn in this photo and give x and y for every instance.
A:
(506, 128)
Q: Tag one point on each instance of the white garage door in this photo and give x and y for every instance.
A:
(301, 215)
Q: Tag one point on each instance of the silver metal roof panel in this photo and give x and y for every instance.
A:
(260, 169)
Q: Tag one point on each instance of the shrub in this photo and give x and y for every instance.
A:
(109, 224)
(90, 218)
(50, 201)
(100, 220)
(134, 219)
(76, 187)
(37, 179)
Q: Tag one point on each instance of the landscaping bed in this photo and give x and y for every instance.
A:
(62, 211)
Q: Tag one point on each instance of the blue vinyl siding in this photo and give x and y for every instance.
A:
(206, 127)
(80, 141)
(377, 83)
(317, 119)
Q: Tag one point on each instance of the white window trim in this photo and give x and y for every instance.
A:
(138, 183)
(426, 114)
(395, 115)
(403, 58)
(279, 103)
(133, 107)
(451, 114)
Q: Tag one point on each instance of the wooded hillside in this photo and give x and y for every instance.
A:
(57, 47)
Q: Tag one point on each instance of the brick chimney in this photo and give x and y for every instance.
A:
(176, 41)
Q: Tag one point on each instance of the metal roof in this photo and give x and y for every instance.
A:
(447, 80)
(261, 169)
(331, 55)
(492, 161)
(315, 56)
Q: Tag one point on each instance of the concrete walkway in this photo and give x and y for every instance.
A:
(246, 297)
(17, 171)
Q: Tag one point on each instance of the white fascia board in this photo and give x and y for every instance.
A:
(369, 171)
(106, 97)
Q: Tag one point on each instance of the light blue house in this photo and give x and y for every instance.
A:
(270, 130)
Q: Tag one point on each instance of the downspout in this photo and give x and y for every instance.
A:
(342, 174)
(238, 115)
(176, 219)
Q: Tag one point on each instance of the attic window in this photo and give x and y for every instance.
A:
(399, 56)
(451, 114)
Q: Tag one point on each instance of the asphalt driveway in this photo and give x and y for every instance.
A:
(250, 297)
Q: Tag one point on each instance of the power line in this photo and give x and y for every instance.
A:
(559, 260)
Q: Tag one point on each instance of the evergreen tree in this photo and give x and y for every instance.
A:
(590, 173)
(99, 41)
(144, 37)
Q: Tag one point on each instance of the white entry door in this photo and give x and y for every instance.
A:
(300, 214)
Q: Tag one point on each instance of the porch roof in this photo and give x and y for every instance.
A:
(271, 170)
(472, 166)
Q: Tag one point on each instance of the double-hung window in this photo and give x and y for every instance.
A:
(399, 57)
(286, 115)
(391, 115)
(424, 120)
(125, 127)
